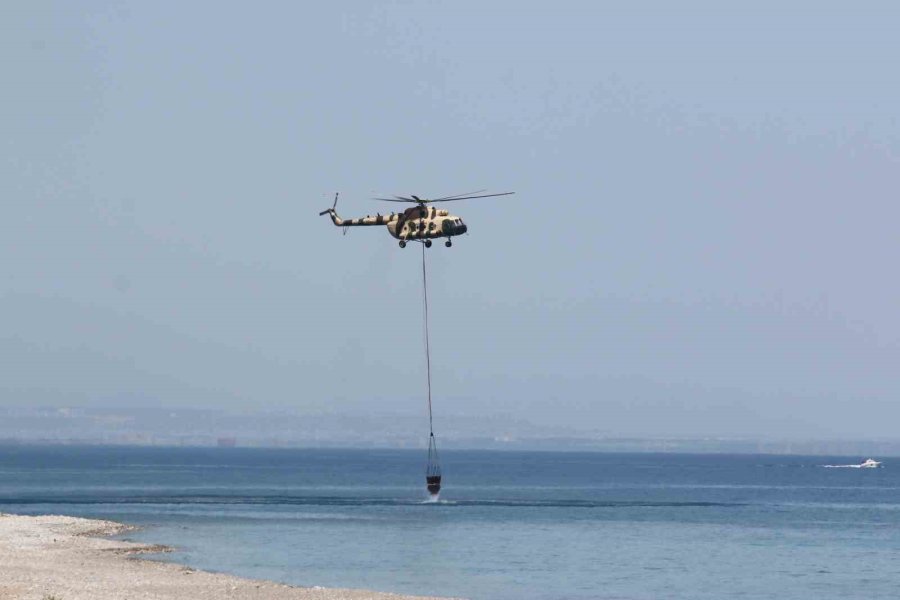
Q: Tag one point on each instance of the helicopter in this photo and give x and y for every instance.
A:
(421, 223)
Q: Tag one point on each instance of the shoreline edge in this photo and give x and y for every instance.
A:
(73, 558)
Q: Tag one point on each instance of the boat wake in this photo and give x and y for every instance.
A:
(868, 464)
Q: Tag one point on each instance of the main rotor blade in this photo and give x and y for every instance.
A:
(457, 195)
(470, 197)
(466, 196)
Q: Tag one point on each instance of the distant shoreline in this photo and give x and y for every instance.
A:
(72, 558)
(823, 448)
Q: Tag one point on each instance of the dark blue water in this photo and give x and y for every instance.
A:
(510, 525)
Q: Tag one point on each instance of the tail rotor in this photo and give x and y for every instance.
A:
(333, 206)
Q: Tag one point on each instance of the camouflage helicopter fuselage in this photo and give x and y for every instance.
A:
(415, 223)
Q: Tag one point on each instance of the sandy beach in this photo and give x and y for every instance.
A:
(69, 558)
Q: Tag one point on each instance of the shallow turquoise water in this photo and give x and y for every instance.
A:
(510, 525)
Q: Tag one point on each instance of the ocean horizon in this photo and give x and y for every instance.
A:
(509, 524)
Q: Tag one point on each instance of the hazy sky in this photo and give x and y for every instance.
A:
(703, 241)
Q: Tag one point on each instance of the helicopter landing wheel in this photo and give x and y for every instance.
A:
(428, 243)
(448, 243)
(403, 244)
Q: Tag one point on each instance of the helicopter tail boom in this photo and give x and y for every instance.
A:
(334, 217)
(361, 222)
(367, 220)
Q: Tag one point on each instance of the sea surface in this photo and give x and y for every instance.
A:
(509, 525)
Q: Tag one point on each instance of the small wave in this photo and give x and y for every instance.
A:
(352, 501)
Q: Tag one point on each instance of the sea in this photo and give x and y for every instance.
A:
(508, 525)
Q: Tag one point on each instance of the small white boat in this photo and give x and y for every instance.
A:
(870, 464)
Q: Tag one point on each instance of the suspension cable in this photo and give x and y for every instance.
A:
(427, 347)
